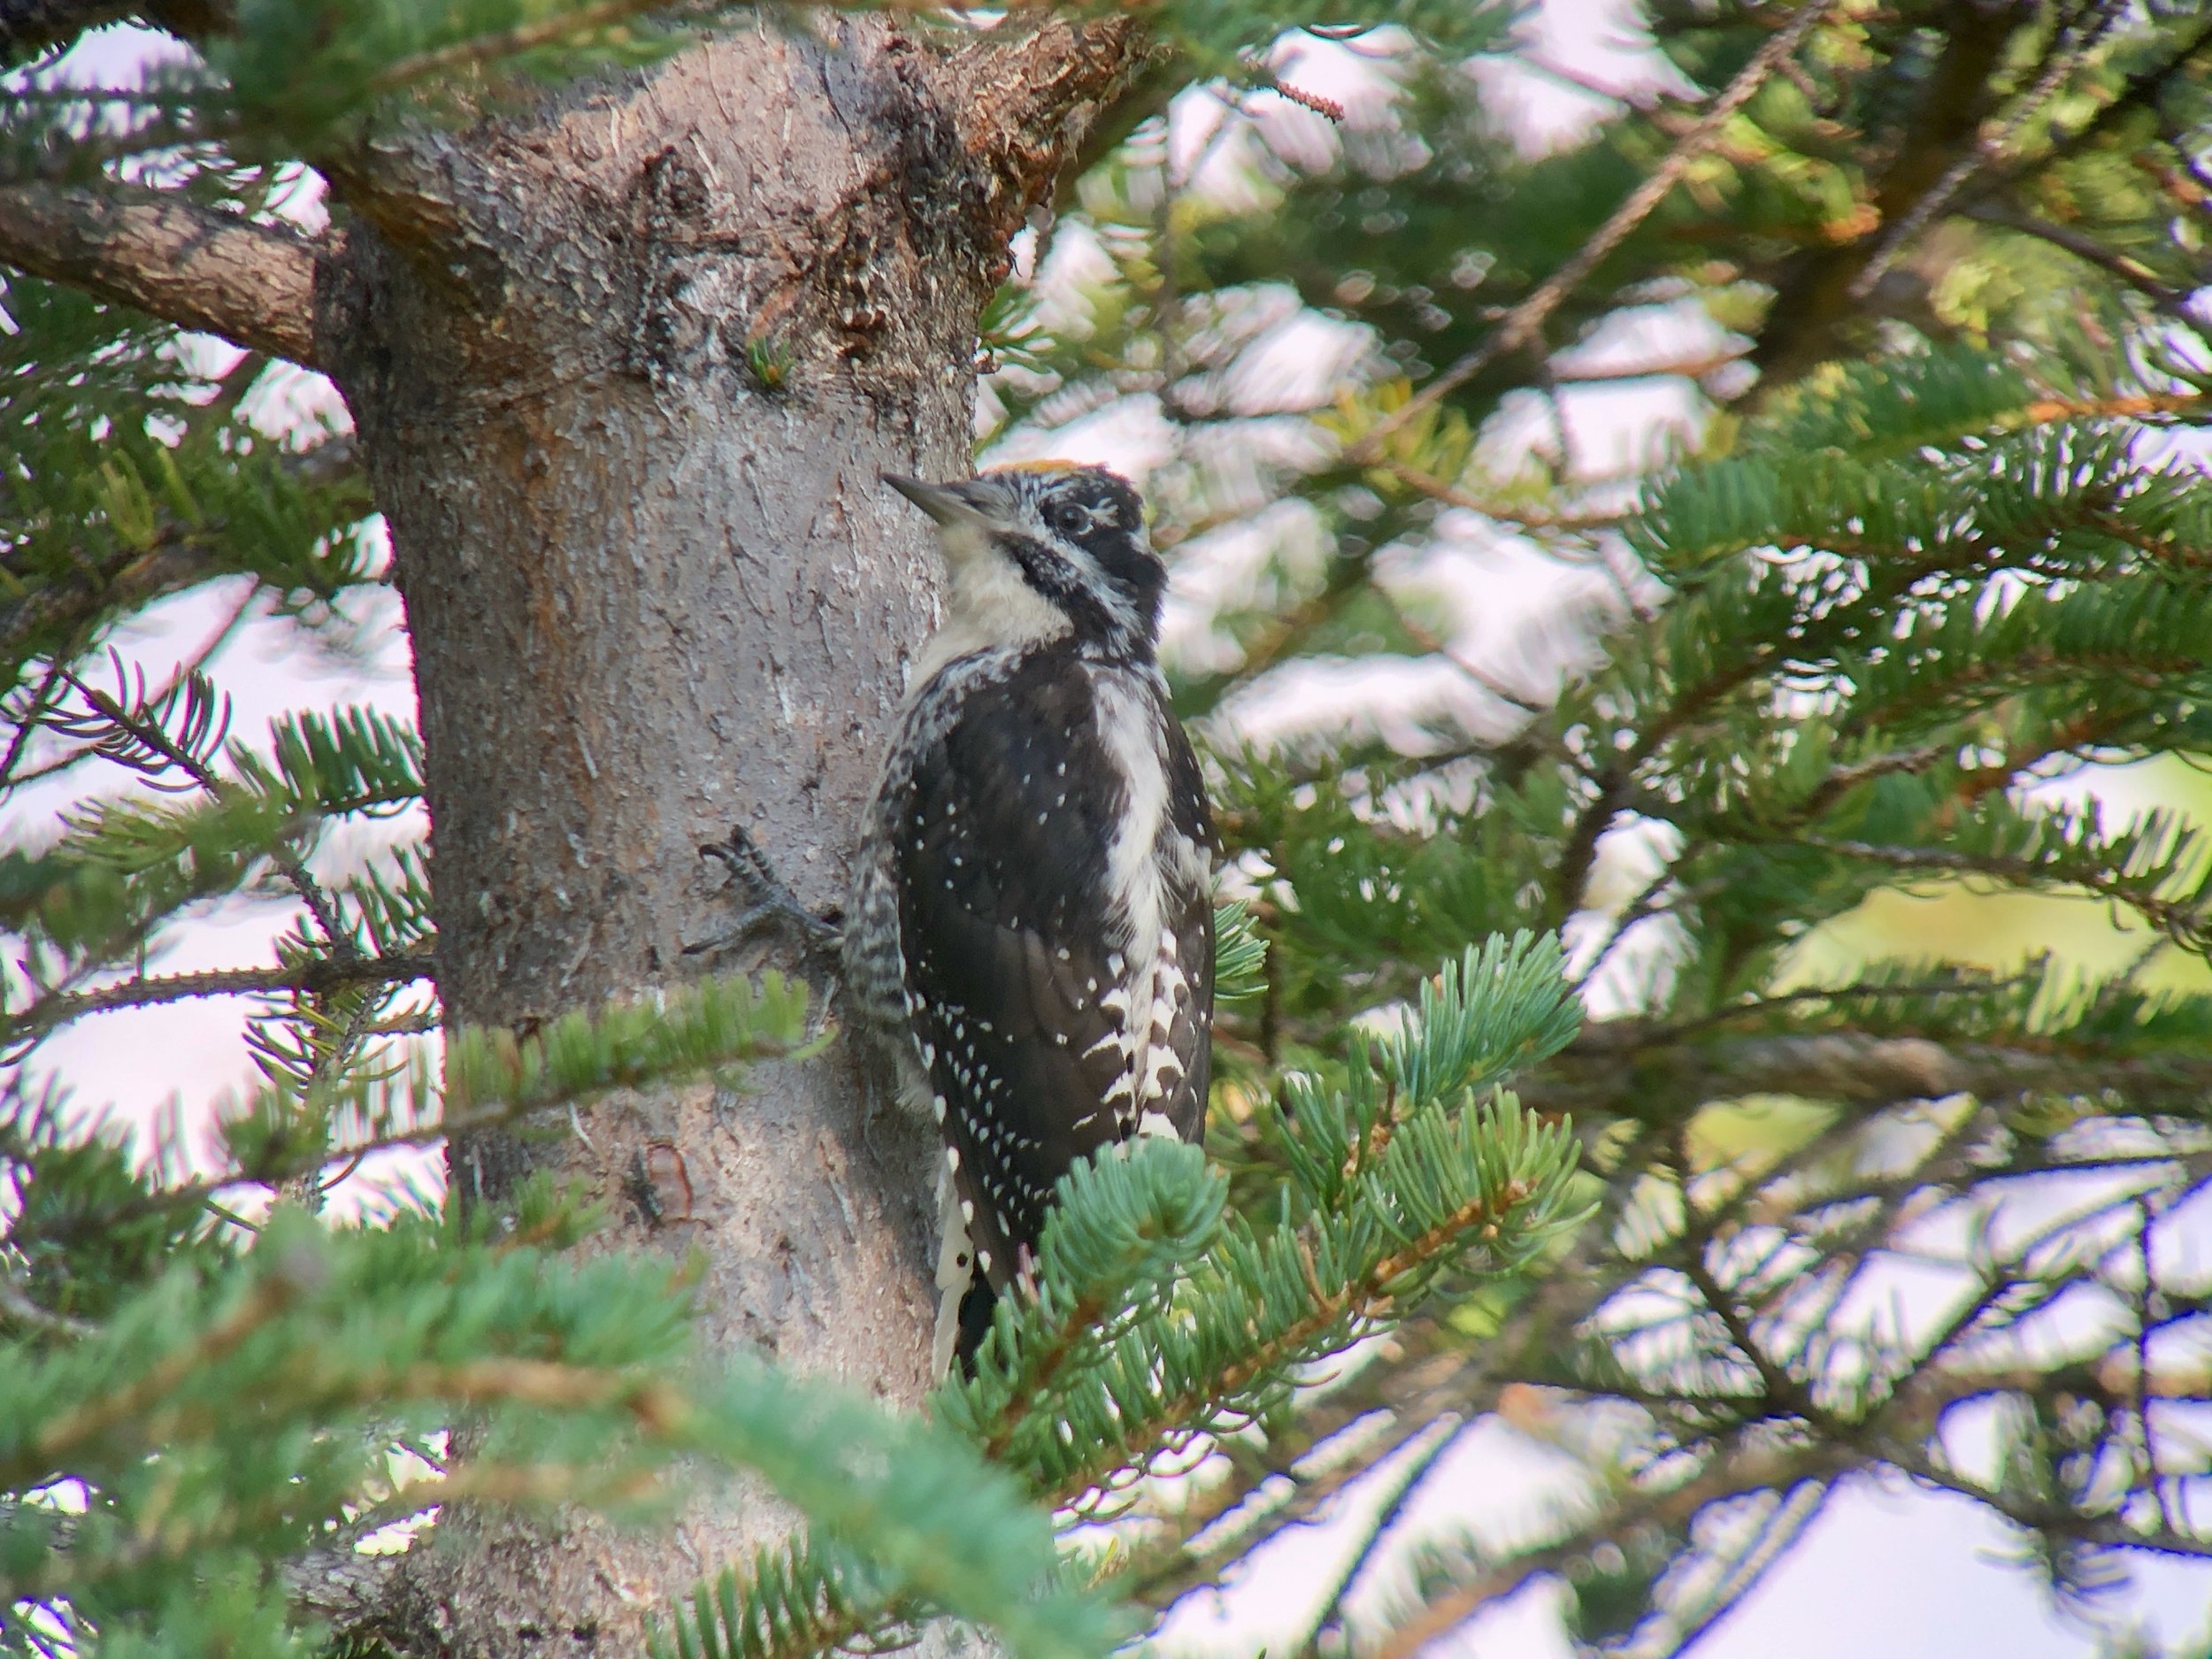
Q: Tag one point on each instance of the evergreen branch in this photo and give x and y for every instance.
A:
(1938, 985)
(125, 864)
(1240, 955)
(1695, 368)
(1297, 1457)
(1812, 300)
(1391, 1202)
(1369, 1297)
(1285, 634)
(314, 976)
(2125, 406)
(1780, 1394)
(1524, 324)
(2186, 922)
(151, 735)
(945, 1530)
(337, 1331)
(797, 1601)
(2049, 1518)
(1525, 518)
(1405, 1486)
(1867, 1069)
(508, 43)
(49, 1449)
(20, 1310)
(1429, 1369)
(31, 27)
(1747, 1562)
(51, 612)
(27, 723)
(1611, 783)
(1746, 1467)
(492, 1078)
(1518, 702)
(2130, 270)
(159, 252)
(1986, 150)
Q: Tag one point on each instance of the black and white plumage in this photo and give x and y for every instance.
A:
(1031, 929)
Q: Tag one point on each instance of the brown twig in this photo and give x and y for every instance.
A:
(1527, 519)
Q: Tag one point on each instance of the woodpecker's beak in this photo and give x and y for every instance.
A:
(947, 503)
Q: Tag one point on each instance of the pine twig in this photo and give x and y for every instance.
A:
(325, 974)
(17, 1307)
(1524, 322)
(1401, 1492)
(2177, 919)
(1746, 1469)
(151, 734)
(1365, 1299)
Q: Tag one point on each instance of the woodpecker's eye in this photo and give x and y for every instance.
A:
(1066, 519)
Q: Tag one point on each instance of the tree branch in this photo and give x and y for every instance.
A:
(2128, 269)
(1746, 1468)
(1812, 300)
(509, 43)
(53, 615)
(321, 974)
(1027, 101)
(1611, 1071)
(1524, 323)
(28, 27)
(253, 284)
(2062, 61)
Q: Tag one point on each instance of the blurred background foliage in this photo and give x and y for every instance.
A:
(1803, 611)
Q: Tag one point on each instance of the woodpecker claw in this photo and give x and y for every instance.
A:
(771, 901)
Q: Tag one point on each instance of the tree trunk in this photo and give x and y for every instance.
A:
(625, 367)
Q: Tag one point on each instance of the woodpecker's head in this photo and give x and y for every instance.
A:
(1037, 552)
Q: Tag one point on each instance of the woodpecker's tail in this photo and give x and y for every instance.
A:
(974, 1320)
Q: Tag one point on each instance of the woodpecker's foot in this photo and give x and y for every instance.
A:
(767, 900)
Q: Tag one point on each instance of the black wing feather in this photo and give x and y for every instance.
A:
(1003, 893)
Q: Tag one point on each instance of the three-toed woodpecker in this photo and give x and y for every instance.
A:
(1031, 928)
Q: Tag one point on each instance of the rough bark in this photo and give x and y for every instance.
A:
(625, 370)
(252, 284)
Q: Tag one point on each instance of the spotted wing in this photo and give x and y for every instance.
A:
(1002, 892)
